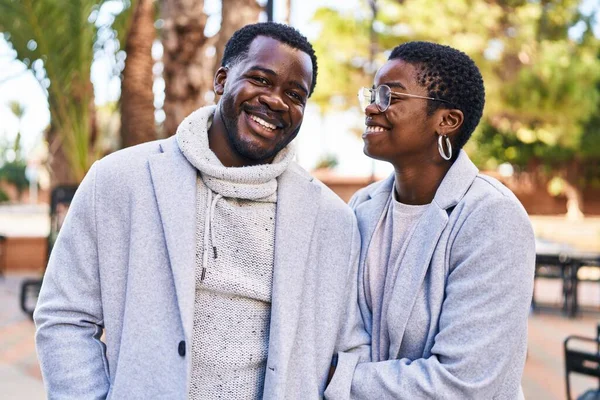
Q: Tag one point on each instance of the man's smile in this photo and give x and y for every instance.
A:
(268, 128)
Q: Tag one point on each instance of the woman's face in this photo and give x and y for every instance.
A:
(404, 131)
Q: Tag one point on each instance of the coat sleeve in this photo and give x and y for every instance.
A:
(354, 342)
(482, 333)
(68, 315)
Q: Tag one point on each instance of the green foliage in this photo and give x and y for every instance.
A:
(327, 161)
(342, 61)
(542, 85)
(14, 173)
(3, 196)
(55, 40)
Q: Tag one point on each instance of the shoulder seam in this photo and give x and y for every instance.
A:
(490, 183)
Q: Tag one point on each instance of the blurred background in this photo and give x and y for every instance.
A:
(81, 79)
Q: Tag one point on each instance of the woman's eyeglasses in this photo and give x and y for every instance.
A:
(382, 97)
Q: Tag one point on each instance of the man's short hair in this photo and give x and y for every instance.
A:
(447, 74)
(238, 45)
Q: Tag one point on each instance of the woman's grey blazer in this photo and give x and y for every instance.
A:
(457, 311)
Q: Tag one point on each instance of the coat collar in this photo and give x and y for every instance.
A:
(174, 180)
(421, 244)
(297, 209)
(456, 182)
(453, 187)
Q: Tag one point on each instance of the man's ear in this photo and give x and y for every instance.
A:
(451, 121)
(220, 79)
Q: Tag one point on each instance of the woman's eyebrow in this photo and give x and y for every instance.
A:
(395, 85)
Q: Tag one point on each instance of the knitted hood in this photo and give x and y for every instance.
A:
(257, 182)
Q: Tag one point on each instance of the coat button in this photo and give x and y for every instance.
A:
(181, 348)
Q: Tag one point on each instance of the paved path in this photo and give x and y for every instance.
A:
(20, 376)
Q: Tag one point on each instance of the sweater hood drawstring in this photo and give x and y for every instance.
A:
(209, 230)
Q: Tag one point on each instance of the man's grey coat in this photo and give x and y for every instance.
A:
(125, 261)
(457, 309)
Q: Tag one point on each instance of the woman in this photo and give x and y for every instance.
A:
(446, 268)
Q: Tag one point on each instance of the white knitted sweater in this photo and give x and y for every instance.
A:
(235, 245)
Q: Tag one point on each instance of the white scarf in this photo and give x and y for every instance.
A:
(257, 182)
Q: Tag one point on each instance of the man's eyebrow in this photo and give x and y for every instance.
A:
(262, 69)
(269, 71)
(300, 86)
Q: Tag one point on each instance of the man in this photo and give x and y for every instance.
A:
(215, 266)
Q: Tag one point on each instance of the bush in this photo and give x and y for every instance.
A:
(14, 173)
(3, 196)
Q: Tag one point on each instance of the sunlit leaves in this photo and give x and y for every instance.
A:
(542, 82)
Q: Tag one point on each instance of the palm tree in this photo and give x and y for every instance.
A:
(18, 111)
(235, 14)
(55, 40)
(137, 98)
(190, 58)
(184, 58)
(287, 16)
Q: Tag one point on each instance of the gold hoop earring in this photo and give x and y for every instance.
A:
(441, 147)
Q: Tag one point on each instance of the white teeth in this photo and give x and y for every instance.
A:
(375, 129)
(263, 122)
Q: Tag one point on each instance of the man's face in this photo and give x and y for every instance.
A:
(264, 98)
(404, 130)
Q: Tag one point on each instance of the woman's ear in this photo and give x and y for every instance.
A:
(220, 80)
(451, 122)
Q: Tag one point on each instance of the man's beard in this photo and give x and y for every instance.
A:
(243, 148)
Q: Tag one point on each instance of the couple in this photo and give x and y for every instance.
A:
(215, 267)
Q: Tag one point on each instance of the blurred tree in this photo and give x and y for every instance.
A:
(287, 12)
(18, 111)
(12, 165)
(541, 77)
(184, 46)
(137, 98)
(190, 57)
(13, 172)
(54, 40)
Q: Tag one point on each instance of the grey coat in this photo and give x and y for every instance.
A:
(457, 311)
(125, 261)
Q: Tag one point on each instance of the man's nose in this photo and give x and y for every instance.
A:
(274, 101)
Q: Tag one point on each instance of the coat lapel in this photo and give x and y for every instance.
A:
(297, 209)
(370, 213)
(174, 180)
(410, 271)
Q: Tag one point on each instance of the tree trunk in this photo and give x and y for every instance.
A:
(236, 13)
(573, 192)
(190, 58)
(187, 67)
(287, 13)
(137, 99)
(66, 165)
(58, 164)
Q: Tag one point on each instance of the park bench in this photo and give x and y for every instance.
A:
(568, 267)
